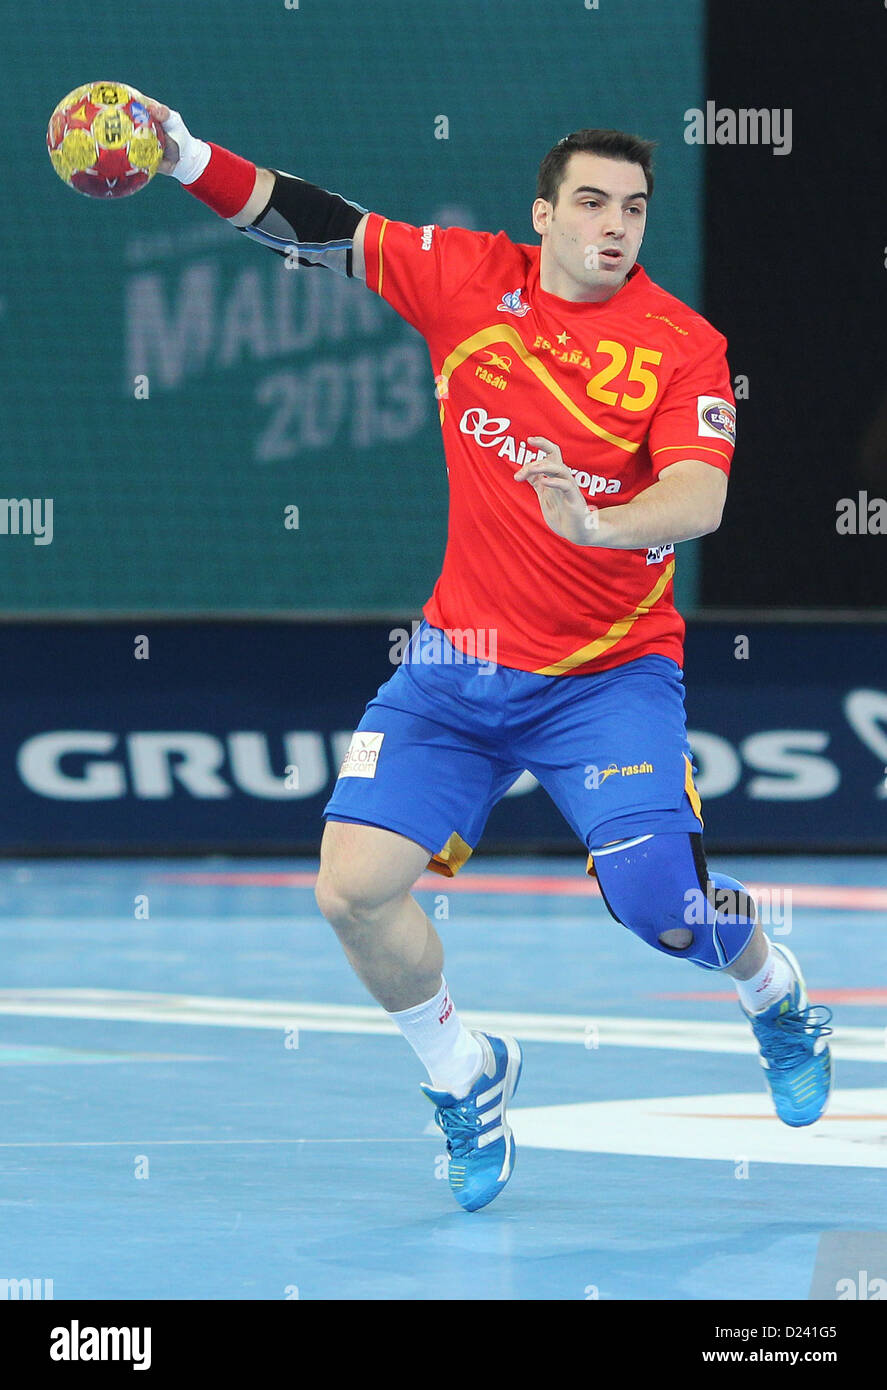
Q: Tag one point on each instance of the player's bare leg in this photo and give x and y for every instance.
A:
(363, 890)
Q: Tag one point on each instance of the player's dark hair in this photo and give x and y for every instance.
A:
(612, 144)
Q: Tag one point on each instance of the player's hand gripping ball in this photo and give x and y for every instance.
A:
(103, 141)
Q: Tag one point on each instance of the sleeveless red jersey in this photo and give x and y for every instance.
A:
(623, 387)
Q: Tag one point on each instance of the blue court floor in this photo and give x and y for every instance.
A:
(199, 1100)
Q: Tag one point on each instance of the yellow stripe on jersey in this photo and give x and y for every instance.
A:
(504, 333)
(690, 788)
(379, 252)
(690, 450)
(614, 633)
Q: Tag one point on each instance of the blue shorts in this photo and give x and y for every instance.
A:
(443, 741)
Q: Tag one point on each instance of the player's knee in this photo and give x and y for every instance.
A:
(331, 901)
(351, 903)
(678, 939)
(643, 884)
(343, 903)
(658, 886)
(365, 874)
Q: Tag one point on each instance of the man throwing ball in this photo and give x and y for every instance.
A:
(588, 425)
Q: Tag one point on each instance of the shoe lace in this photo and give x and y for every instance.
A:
(460, 1124)
(786, 1038)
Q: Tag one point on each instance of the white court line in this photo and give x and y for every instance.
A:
(156, 1143)
(731, 1129)
(665, 1034)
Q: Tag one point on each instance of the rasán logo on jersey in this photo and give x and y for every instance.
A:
(491, 432)
(485, 370)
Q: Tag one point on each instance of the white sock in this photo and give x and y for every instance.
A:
(437, 1035)
(773, 980)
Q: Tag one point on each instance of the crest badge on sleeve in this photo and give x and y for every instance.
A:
(717, 418)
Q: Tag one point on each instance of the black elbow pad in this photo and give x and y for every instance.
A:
(304, 220)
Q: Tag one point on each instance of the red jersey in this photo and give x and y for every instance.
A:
(624, 387)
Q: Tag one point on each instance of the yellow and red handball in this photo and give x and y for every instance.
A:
(103, 142)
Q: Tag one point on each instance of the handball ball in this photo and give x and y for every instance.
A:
(103, 142)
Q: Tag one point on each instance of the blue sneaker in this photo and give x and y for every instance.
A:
(794, 1053)
(479, 1140)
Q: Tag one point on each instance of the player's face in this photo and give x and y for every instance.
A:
(592, 234)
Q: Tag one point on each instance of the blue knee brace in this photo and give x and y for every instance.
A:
(658, 883)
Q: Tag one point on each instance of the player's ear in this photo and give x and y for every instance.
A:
(541, 212)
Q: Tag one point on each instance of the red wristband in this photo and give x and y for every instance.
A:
(226, 183)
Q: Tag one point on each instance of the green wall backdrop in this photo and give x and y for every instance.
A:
(270, 387)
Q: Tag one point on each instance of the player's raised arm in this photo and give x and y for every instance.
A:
(285, 213)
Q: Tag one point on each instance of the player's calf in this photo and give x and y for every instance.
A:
(363, 891)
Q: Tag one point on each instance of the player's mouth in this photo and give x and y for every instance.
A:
(611, 255)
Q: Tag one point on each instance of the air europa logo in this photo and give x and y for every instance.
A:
(491, 432)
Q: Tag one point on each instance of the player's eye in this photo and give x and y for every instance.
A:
(591, 203)
(637, 210)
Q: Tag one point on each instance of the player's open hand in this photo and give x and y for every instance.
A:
(563, 506)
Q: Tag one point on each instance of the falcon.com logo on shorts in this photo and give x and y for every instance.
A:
(362, 756)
